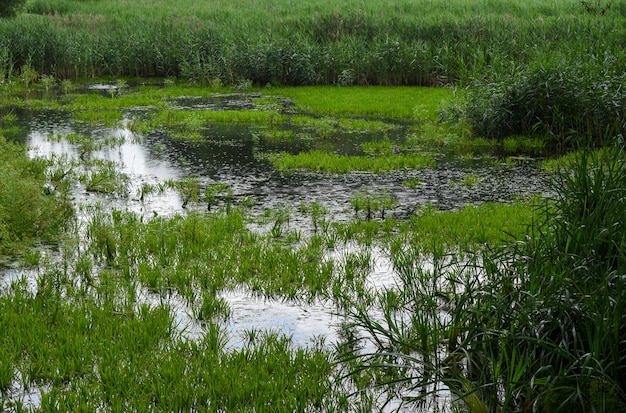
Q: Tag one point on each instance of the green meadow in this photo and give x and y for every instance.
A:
(116, 286)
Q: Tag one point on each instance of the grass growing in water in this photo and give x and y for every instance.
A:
(534, 324)
(388, 102)
(319, 161)
(32, 208)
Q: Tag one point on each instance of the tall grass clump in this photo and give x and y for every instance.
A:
(32, 209)
(569, 101)
(537, 325)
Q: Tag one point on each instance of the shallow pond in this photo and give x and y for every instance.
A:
(228, 154)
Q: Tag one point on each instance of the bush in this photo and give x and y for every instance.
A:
(562, 100)
(9, 8)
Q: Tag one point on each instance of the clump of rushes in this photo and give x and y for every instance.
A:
(560, 99)
(189, 189)
(147, 189)
(371, 203)
(104, 177)
(469, 181)
(47, 82)
(216, 192)
(477, 327)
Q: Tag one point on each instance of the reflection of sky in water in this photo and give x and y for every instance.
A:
(133, 159)
(303, 322)
(228, 156)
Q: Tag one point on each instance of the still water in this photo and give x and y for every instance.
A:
(227, 154)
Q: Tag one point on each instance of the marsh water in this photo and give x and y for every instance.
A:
(227, 154)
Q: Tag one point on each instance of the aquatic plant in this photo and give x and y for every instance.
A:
(477, 327)
(313, 43)
(371, 203)
(30, 212)
(104, 177)
(319, 161)
(47, 81)
(562, 99)
(189, 189)
(218, 191)
(469, 181)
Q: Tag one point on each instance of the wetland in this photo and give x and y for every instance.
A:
(184, 218)
(321, 206)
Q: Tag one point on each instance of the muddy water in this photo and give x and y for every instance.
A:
(228, 156)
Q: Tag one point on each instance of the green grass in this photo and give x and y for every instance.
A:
(379, 102)
(32, 207)
(478, 325)
(472, 227)
(319, 161)
(97, 347)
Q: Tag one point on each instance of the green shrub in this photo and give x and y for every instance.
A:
(9, 8)
(564, 100)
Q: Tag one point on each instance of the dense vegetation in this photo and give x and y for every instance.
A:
(525, 62)
(32, 208)
(536, 324)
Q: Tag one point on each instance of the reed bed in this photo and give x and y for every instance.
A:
(536, 324)
(516, 60)
(316, 43)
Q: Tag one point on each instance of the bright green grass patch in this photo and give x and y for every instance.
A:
(198, 253)
(468, 229)
(109, 118)
(471, 227)
(569, 160)
(326, 127)
(379, 101)
(95, 346)
(524, 144)
(195, 119)
(319, 161)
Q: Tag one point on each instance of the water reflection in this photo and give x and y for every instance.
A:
(228, 155)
